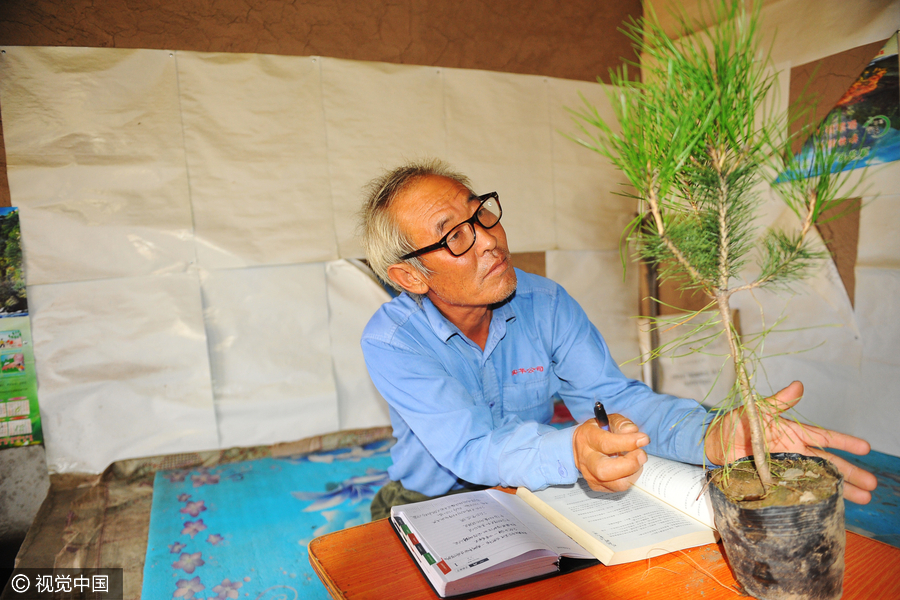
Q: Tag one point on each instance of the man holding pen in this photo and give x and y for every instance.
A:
(472, 354)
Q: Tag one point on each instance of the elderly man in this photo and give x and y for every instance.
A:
(472, 353)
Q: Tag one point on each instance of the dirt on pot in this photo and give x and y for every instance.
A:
(797, 481)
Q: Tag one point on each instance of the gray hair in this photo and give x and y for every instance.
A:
(382, 238)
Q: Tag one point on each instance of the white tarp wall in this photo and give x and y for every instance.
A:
(188, 225)
(847, 357)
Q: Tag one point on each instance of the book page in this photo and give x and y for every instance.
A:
(617, 527)
(558, 541)
(620, 520)
(467, 533)
(678, 484)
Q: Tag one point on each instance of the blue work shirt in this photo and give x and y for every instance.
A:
(460, 413)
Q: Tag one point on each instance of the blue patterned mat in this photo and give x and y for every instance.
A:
(240, 530)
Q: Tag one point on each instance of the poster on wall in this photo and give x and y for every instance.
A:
(20, 418)
(865, 122)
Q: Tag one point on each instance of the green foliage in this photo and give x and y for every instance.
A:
(786, 258)
(697, 138)
(12, 279)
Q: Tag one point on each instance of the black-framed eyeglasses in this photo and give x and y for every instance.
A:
(462, 237)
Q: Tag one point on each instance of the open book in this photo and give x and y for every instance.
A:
(475, 541)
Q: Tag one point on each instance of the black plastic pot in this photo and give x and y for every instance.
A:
(785, 552)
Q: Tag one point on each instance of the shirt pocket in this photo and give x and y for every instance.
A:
(529, 400)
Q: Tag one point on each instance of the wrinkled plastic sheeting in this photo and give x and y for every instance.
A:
(608, 296)
(123, 370)
(499, 134)
(256, 149)
(354, 294)
(877, 308)
(270, 352)
(96, 162)
(374, 126)
(592, 200)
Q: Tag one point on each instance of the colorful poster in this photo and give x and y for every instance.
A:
(865, 122)
(20, 417)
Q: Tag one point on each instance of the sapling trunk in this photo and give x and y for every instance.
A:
(721, 166)
(748, 397)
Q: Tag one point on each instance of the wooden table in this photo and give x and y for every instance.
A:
(368, 561)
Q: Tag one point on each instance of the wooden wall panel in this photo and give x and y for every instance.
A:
(576, 39)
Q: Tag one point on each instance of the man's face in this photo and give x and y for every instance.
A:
(482, 276)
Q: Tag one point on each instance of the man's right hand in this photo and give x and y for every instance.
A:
(610, 461)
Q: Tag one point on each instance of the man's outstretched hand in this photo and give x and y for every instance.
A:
(610, 461)
(729, 439)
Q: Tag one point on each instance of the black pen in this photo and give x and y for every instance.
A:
(602, 418)
(600, 415)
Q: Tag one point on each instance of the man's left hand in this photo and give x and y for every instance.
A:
(729, 439)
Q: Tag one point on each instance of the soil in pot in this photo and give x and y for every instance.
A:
(787, 544)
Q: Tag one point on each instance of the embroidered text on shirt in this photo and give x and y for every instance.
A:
(531, 370)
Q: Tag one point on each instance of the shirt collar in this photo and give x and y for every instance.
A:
(445, 330)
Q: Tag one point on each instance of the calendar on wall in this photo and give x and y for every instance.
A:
(20, 417)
